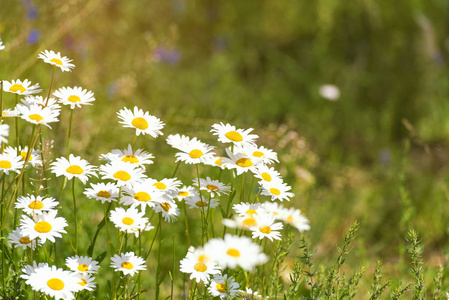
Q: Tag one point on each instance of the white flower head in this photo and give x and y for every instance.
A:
(17, 238)
(267, 174)
(104, 192)
(41, 101)
(36, 205)
(277, 190)
(169, 210)
(56, 59)
(34, 159)
(82, 264)
(21, 87)
(129, 221)
(86, 281)
(229, 134)
(201, 202)
(178, 141)
(223, 286)
(214, 187)
(128, 263)
(240, 162)
(266, 227)
(294, 217)
(123, 173)
(74, 167)
(4, 132)
(1, 45)
(194, 152)
(199, 266)
(184, 192)
(45, 226)
(36, 114)
(142, 121)
(167, 185)
(138, 157)
(10, 162)
(75, 97)
(143, 195)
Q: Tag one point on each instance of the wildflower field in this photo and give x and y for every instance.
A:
(224, 149)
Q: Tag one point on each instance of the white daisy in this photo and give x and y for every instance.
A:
(21, 87)
(122, 173)
(194, 153)
(142, 121)
(104, 192)
(10, 162)
(166, 184)
(37, 114)
(139, 157)
(128, 263)
(241, 222)
(267, 156)
(75, 97)
(199, 266)
(34, 158)
(293, 217)
(41, 101)
(86, 281)
(142, 194)
(9, 113)
(215, 161)
(36, 205)
(277, 191)
(129, 221)
(202, 203)
(214, 187)
(266, 227)
(19, 240)
(229, 134)
(179, 141)
(44, 226)
(54, 282)
(4, 132)
(223, 286)
(233, 251)
(55, 59)
(29, 269)
(184, 192)
(273, 208)
(75, 166)
(169, 210)
(267, 174)
(240, 162)
(246, 209)
(82, 264)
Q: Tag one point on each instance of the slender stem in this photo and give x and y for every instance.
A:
(158, 270)
(174, 269)
(69, 133)
(134, 139)
(140, 254)
(102, 223)
(203, 221)
(176, 169)
(51, 85)
(187, 223)
(76, 216)
(1, 98)
(44, 169)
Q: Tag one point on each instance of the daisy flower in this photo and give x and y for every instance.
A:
(129, 221)
(215, 161)
(293, 217)
(1, 45)
(29, 269)
(34, 159)
(86, 281)
(199, 266)
(9, 113)
(229, 134)
(277, 191)
(104, 192)
(122, 173)
(267, 156)
(240, 162)
(266, 227)
(166, 184)
(54, 282)
(75, 97)
(37, 114)
(184, 192)
(41, 101)
(201, 202)
(169, 210)
(36, 205)
(267, 174)
(246, 209)
(19, 240)
(242, 222)
(179, 141)
(128, 263)
(139, 157)
(214, 187)
(143, 195)
(21, 87)
(55, 59)
(142, 121)
(75, 166)
(44, 226)
(4, 132)
(194, 152)
(10, 162)
(223, 286)
(82, 265)
(274, 208)
(233, 251)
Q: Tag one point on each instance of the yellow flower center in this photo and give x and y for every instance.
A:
(265, 229)
(203, 258)
(140, 123)
(201, 203)
(266, 176)
(104, 194)
(122, 175)
(249, 222)
(55, 284)
(183, 194)
(4, 164)
(233, 252)
(17, 87)
(160, 185)
(221, 288)
(142, 196)
(212, 187)
(75, 170)
(244, 162)
(131, 159)
(165, 206)
(23, 154)
(56, 61)
(219, 161)
(127, 265)
(127, 221)
(83, 268)
(251, 212)
(234, 136)
(74, 99)
(35, 117)
(289, 219)
(42, 227)
(25, 240)
(82, 282)
(196, 153)
(36, 205)
(200, 267)
(275, 191)
(258, 154)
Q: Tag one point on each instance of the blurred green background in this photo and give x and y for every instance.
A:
(377, 154)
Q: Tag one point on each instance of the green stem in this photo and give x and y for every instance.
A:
(134, 139)
(90, 251)
(203, 221)
(51, 85)
(187, 223)
(76, 216)
(158, 270)
(69, 133)
(174, 269)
